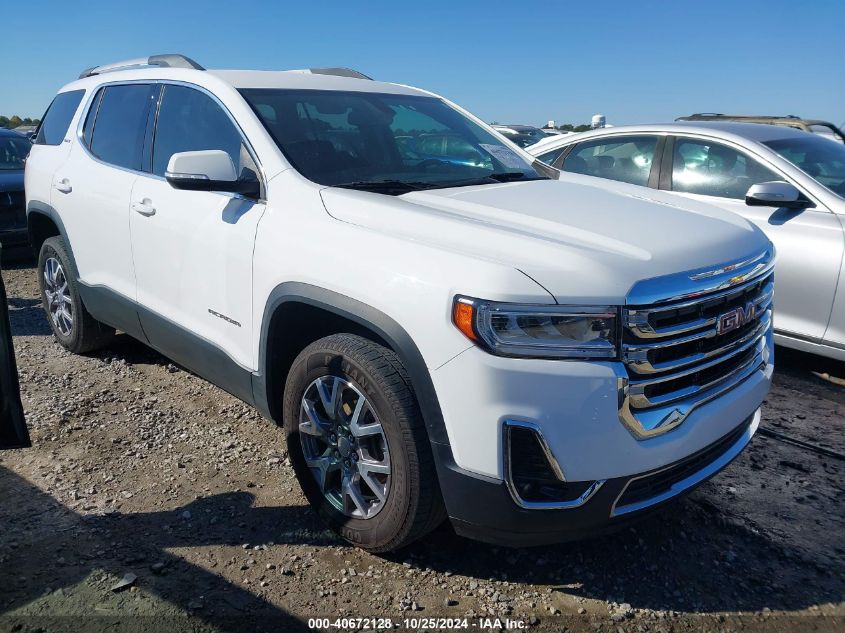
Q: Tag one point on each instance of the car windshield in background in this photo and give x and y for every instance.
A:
(385, 143)
(819, 157)
(13, 152)
(522, 135)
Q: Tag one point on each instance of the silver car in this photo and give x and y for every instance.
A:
(789, 183)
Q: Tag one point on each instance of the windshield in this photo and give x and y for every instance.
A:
(383, 142)
(818, 157)
(13, 152)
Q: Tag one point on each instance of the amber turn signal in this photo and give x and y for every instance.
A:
(463, 315)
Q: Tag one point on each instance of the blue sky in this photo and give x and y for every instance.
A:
(505, 61)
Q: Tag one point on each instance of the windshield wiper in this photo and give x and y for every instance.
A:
(386, 186)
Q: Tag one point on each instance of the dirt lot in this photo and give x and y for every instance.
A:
(142, 472)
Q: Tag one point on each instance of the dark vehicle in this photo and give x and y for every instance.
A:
(13, 432)
(14, 149)
(814, 126)
(522, 135)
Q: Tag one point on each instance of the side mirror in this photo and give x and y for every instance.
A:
(208, 170)
(776, 194)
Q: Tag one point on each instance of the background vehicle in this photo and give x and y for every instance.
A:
(522, 135)
(13, 431)
(814, 126)
(26, 130)
(436, 337)
(14, 149)
(719, 162)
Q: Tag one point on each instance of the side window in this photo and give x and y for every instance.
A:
(627, 159)
(189, 121)
(121, 124)
(550, 157)
(57, 119)
(711, 169)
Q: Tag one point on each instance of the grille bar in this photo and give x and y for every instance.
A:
(681, 354)
(640, 320)
(636, 356)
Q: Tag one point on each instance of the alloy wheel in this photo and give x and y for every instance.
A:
(345, 447)
(57, 293)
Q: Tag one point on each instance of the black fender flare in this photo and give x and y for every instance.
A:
(34, 207)
(367, 317)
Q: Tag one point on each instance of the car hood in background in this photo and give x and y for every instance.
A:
(582, 242)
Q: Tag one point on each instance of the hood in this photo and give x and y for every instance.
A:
(582, 242)
(11, 180)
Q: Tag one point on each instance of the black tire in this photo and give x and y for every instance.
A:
(86, 333)
(413, 505)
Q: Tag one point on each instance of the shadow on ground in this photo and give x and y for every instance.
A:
(685, 559)
(54, 547)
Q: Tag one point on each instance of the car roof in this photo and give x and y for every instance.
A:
(750, 118)
(7, 132)
(244, 79)
(739, 132)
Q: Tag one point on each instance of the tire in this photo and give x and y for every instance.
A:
(412, 505)
(73, 327)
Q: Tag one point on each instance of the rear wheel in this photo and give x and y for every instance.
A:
(73, 327)
(358, 443)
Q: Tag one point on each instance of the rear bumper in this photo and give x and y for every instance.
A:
(482, 508)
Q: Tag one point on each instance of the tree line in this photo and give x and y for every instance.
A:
(11, 122)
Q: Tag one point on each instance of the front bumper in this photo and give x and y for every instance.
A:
(483, 508)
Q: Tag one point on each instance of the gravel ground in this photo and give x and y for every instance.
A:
(150, 493)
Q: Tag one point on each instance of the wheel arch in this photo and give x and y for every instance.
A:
(43, 222)
(306, 313)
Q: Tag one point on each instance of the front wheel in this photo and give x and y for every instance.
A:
(358, 443)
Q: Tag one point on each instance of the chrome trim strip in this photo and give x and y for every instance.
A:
(553, 463)
(637, 388)
(696, 478)
(637, 319)
(636, 356)
(677, 287)
(648, 423)
(727, 269)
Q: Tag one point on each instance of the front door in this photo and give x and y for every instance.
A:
(809, 243)
(193, 250)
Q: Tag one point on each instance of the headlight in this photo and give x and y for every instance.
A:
(538, 331)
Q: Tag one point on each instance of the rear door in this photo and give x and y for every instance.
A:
(809, 243)
(13, 432)
(93, 187)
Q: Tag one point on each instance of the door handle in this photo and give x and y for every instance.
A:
(63, 185)
(145, 207)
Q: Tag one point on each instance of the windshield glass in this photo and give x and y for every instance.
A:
(383, 142)
(13, 152)
(819, 157)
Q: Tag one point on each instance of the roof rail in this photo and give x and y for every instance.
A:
(163, 61)
(337, 72)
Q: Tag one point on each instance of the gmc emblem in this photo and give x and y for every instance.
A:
(735, 318)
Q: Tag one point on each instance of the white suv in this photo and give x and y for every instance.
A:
(441, 326)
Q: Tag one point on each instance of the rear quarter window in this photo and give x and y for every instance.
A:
(56, 120)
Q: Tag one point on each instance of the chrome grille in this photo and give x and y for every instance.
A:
(679, 353)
